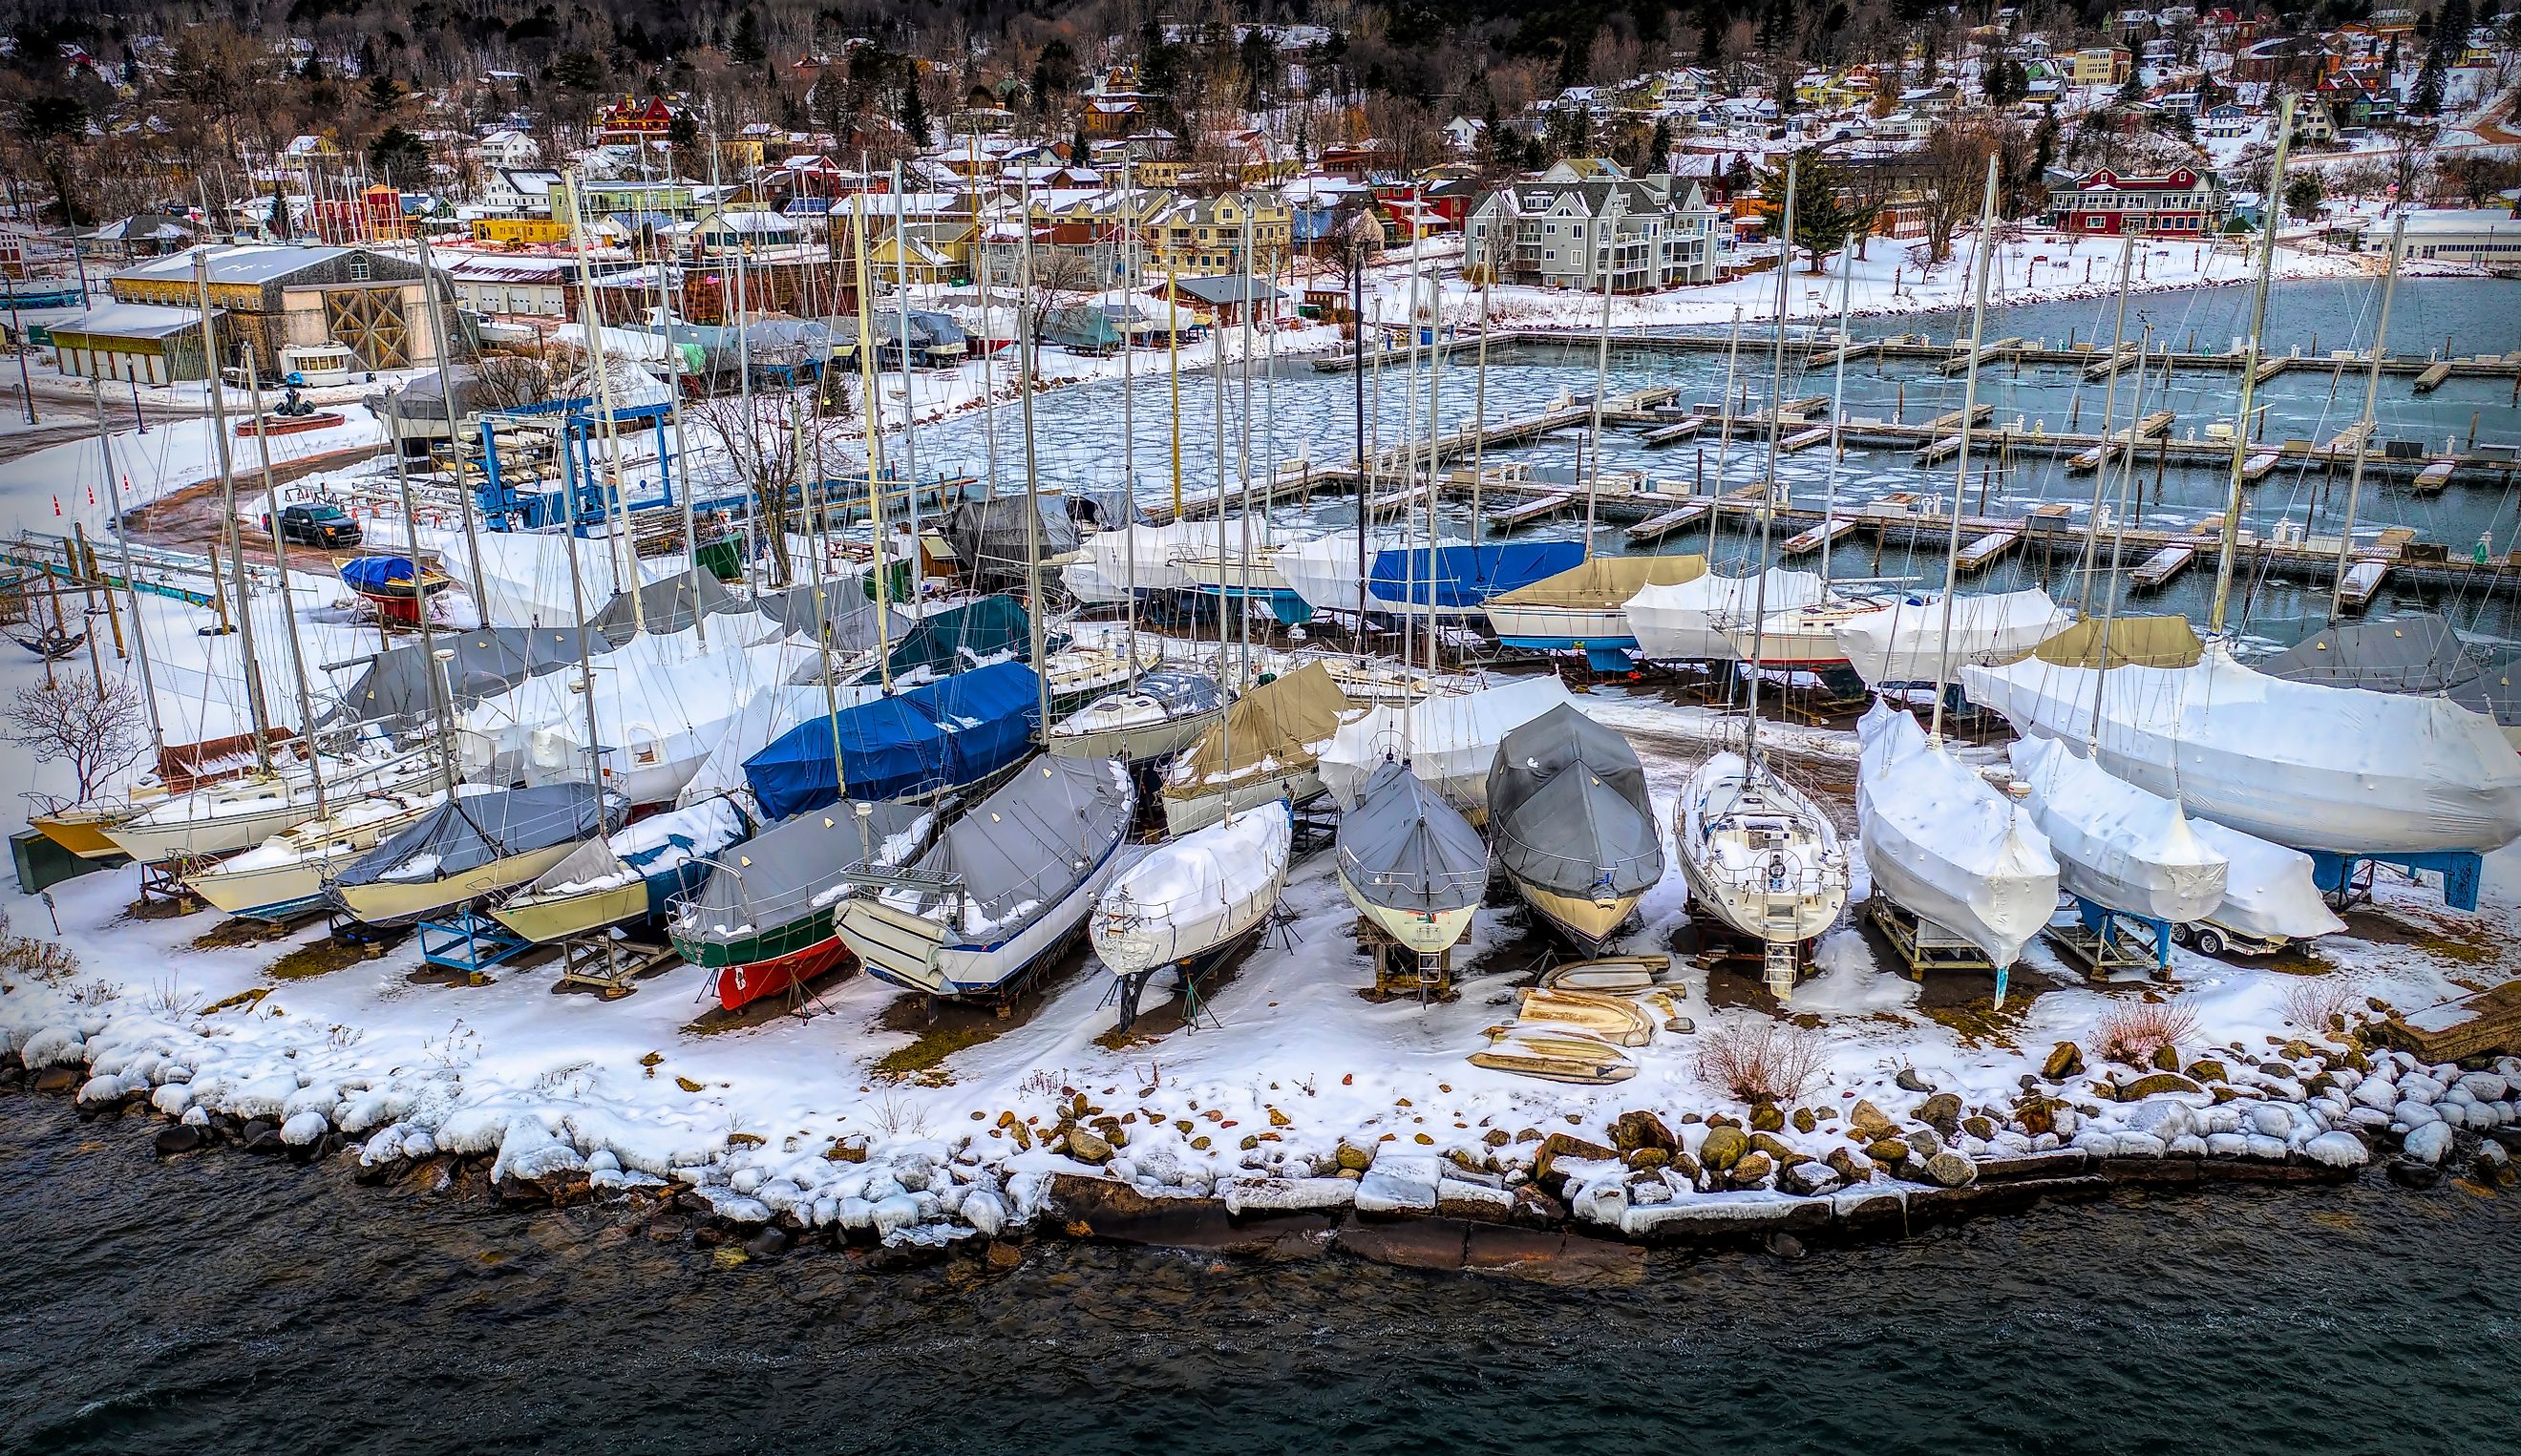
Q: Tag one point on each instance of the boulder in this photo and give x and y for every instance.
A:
(2155, 1084)
(1889, 1151)
(2429, 1143)
(1942, 1113)
(2410, 1174)
(1778, 1148)
(1951, 1170)
(1562, 1146)
(1632, 1130)
(2065, 1060)
(2208, 1070)
(1354, 1158)
(1766, 1118)
(2166, 1058)
(1870, 1120)
(2375, 1093)
(179, 1138)
(1808, 1178)
(1753, 1170)
(1724, 1147)
(1908, 1081)
(1087, 1146)
(1981, 1128)
(1850, 1165)
(1803, 1121)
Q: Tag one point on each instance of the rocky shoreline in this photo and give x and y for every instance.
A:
(1557, 1206)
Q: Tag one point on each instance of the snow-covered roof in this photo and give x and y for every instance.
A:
(135, 321)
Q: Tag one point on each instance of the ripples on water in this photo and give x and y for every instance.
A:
(221, 1304)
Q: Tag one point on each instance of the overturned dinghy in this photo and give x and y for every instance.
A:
(1692, 620)
(1573, 827)
(2116, 846)
(1004, 886)
(1904, 643)
(630, 874)
(1410, 862)
(475, 844)
(1556, 1056)
(1944, 845)
(1191, 902)
(1451, 740)
(1276, 733)
(762, 920)
(1156, 717)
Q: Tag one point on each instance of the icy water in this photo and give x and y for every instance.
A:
(223, 1304)
(1296, 412)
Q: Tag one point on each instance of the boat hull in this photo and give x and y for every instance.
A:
(163, 834)
(1137, 743)
(386, 903)
(1586, 924)
(285, 892)
(1794, 909)
(82, 831)
(1563, 627)
(1182, 815)
(544, 919)
(1424, 932)
(740, 984)
(917, 953)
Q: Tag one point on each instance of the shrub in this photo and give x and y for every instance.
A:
(1760, 1061)
(2133, 1032)
(2317, 1004)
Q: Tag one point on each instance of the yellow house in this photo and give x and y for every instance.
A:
(1206, 234)
(940, 253)
(2102, 65)
(519, 232)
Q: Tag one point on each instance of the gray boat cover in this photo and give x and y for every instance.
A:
(1024, 847)
(1402, 847)
(2416, 653)
(394, 686)
(1181, 692)
(794, 867)
(471, 830)
(989, 540)
(1567, 799)
(849, 614)
(670, 605)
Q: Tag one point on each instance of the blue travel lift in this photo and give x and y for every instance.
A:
(2462, 872)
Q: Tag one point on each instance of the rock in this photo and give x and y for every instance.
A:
(2337, 1150)
(1400, 1183)
(57, 1079)
(1951, 1170)
(1850, 1165)
(1003, 1258)
(1869, 1119)
(1686, 1168)
(1766, 1118)
(1648, 1158)
(2166, 1058)
(2415, 1086)
(1804, 1120)
(1925, 1142)
(2419, 1113)
(180, 1138)
(767, 1243)
(2485, 1086)
(2065, 1060)
(1724, 1148)
(1087, 1146)
(1751, 1169)
(2408, 1173)
(1602, 1203)
(2376, 1093)
(2429, 1143)
(2155, 1084)
(2493, 1165)
(1808, 1178)
(1889, 1151)
(265, 1141)
(1784, 1246)
(303, 1129)
(1776, 1147)
(1910, 1082)
(1563, 1146)
(1633, 1130)
(1353, 1157)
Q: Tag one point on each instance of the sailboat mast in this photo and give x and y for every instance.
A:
(1982, 260)
(1768, 491)
(1435, 430)
(578, 604)
(437, 329)
(1129, 413)
(2273, 210)
(2365, 427)
(874, 436)
(1024, 332)
(1601, 384)
(666, 314)
(2117, 544)
(288, 604)
(130, 580)
(980, 275)
(1357, 382)
(1409, 460)
(1243, 460)
(1724, 431)
(624, 561)
(2109, 407)
(440, 693)
(910, 407)
(1480, 404)
(217, 391)
(1837, 408)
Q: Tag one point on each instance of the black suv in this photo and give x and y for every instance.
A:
(320, 524)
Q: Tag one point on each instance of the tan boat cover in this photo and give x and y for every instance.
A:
(1604, 582)
(1281, 724)
(2135, 641)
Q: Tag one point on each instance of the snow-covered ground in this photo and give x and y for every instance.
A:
(1289, 1063)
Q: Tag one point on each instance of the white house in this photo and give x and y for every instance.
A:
(508, 146)
(519, 192)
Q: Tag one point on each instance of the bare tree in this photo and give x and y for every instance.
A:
(2411, 158)
(99, 729)
(790, 438)
(1951, 181)
(511, 380)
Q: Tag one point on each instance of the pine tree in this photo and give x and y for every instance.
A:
(1826, 218)
(914, 112)
(1659, 147)
(747, 49)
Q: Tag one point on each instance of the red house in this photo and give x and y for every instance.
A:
(2182, 203)
(629, 121)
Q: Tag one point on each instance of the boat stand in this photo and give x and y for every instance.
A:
(2104, 941)
(162, 890)
(1923, 945)
(606, 965)
(468, 942)
(1400, 972)
(2347, 878)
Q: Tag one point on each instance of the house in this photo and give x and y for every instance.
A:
(722, 230)
(507, 147)
(142, 235)
(1227, 298)
(279, 295)
(2182, 203)
(521, 232)
(143, 343)
(1206, 234)
(2479, 236)
(2225, 121)
(2100, 65)
(633, 121)
(519, 192)
(1564, 233)
(487, 284)
(589, 200)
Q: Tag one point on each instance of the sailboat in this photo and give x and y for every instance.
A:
(1266, 747)
(479, 842)
(765, 917)
(1190, 902)
(1452, 741)
(1939, 839)
(1585, 608)
(1756, 851)
(1693, 621)
(283, 877)
(631, 874)
(1152, 719)
(2116, 846)
(1573, 825)
(222, 818)
(1409, 861)
(1004, 886)
(1904, 643)
(2271, 897)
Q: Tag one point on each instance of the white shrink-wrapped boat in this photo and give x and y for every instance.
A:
(1327, 572)
(1452, 741)
(2117, 845)
(1153, 718)
(1192, 900)
(1691, 621)
(1905, 644)
(2344, 770)
(2270, 898)
(1944, 845)
(1109, 564)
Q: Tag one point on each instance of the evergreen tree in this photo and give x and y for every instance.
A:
(383, 91)
(1827, 217)
(747, 49)
(914, 111)
(1659, 147)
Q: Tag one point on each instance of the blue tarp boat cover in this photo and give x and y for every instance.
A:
(947, 733)
(377, 573)
(1468, 575)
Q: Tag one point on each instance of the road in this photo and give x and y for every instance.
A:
(68, 418)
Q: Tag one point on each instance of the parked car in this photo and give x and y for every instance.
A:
(316, 523)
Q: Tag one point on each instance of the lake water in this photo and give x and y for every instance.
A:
(223, 1304)
(1297, 411)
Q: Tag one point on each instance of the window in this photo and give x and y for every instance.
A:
(360, 269)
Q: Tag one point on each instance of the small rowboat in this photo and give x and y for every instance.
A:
(391, 583)
(1556, 1058)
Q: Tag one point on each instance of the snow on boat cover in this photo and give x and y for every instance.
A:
(1687, 621)
(1904, 643)
(1945, 845)
(2117, 845)
(1450, 740)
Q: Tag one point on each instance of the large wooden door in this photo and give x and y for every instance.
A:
(370, 323)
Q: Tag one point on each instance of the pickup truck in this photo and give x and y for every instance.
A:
(321, 523)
